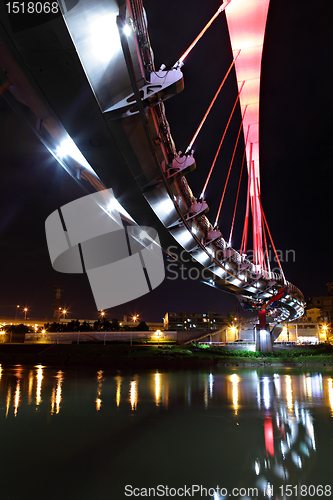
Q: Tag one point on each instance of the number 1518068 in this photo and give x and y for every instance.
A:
(32, 7)
(306, 490)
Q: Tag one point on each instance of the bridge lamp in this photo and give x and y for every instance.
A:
(112, 207)
(324, 330)
(233, 331)
(158, 334)
(127, 29)
(68, 148)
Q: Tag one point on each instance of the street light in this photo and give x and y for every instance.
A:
(324, 330)
(25, 312)
(233, 331)
(135, 317)
(158, 333)
(17, 307)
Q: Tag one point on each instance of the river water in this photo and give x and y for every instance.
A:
(245, 433)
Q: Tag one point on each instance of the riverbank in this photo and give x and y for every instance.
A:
(122, 356)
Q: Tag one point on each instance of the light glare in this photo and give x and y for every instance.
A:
(105, 38)
(69, 148)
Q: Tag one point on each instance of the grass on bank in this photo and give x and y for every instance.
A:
(172, 351)
(205, 350)
(88, 350)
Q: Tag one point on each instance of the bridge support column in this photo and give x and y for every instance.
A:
(263, 335)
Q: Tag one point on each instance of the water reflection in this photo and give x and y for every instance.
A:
(118, 389)
(18, 374)
(157, 388)
(30, 386)
(330, 393)
(39, 377)
(235, 381)
(8, 398)
(98, 400)
(289, 392)
(56, 393)
(278, 413)
(278, 390)
(134, 394)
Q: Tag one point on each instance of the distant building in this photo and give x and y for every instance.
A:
(324, 304)
(153, 326)
(304, 332)
(312, 315)
(194, 321)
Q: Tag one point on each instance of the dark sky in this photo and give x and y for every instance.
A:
(296, 160)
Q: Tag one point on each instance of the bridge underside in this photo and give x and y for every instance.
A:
(63, 90)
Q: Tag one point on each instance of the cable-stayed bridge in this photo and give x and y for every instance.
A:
(103, 47)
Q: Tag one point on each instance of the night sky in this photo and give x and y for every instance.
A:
(296, 112)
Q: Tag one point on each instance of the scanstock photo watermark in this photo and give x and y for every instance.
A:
(182, 265)
(194, 490)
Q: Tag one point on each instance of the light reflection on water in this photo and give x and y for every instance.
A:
(278, 416)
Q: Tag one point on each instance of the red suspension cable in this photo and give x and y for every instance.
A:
(241, 173)
(246, 220)
(246, 224)
(202, 32)
(189, 147)
(227, 179)
(218, 150)
(266, 248)
(270, 236)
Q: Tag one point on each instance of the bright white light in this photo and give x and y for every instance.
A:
(257, 467)
(201, 257)
(165, 206)
(105, 39)
(219, 272)
(69, 148)
(210, 251)
(211, 382)
(127, 29)
(184, 237)
(113, 206)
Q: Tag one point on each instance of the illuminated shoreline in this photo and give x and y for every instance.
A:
(149, 357)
